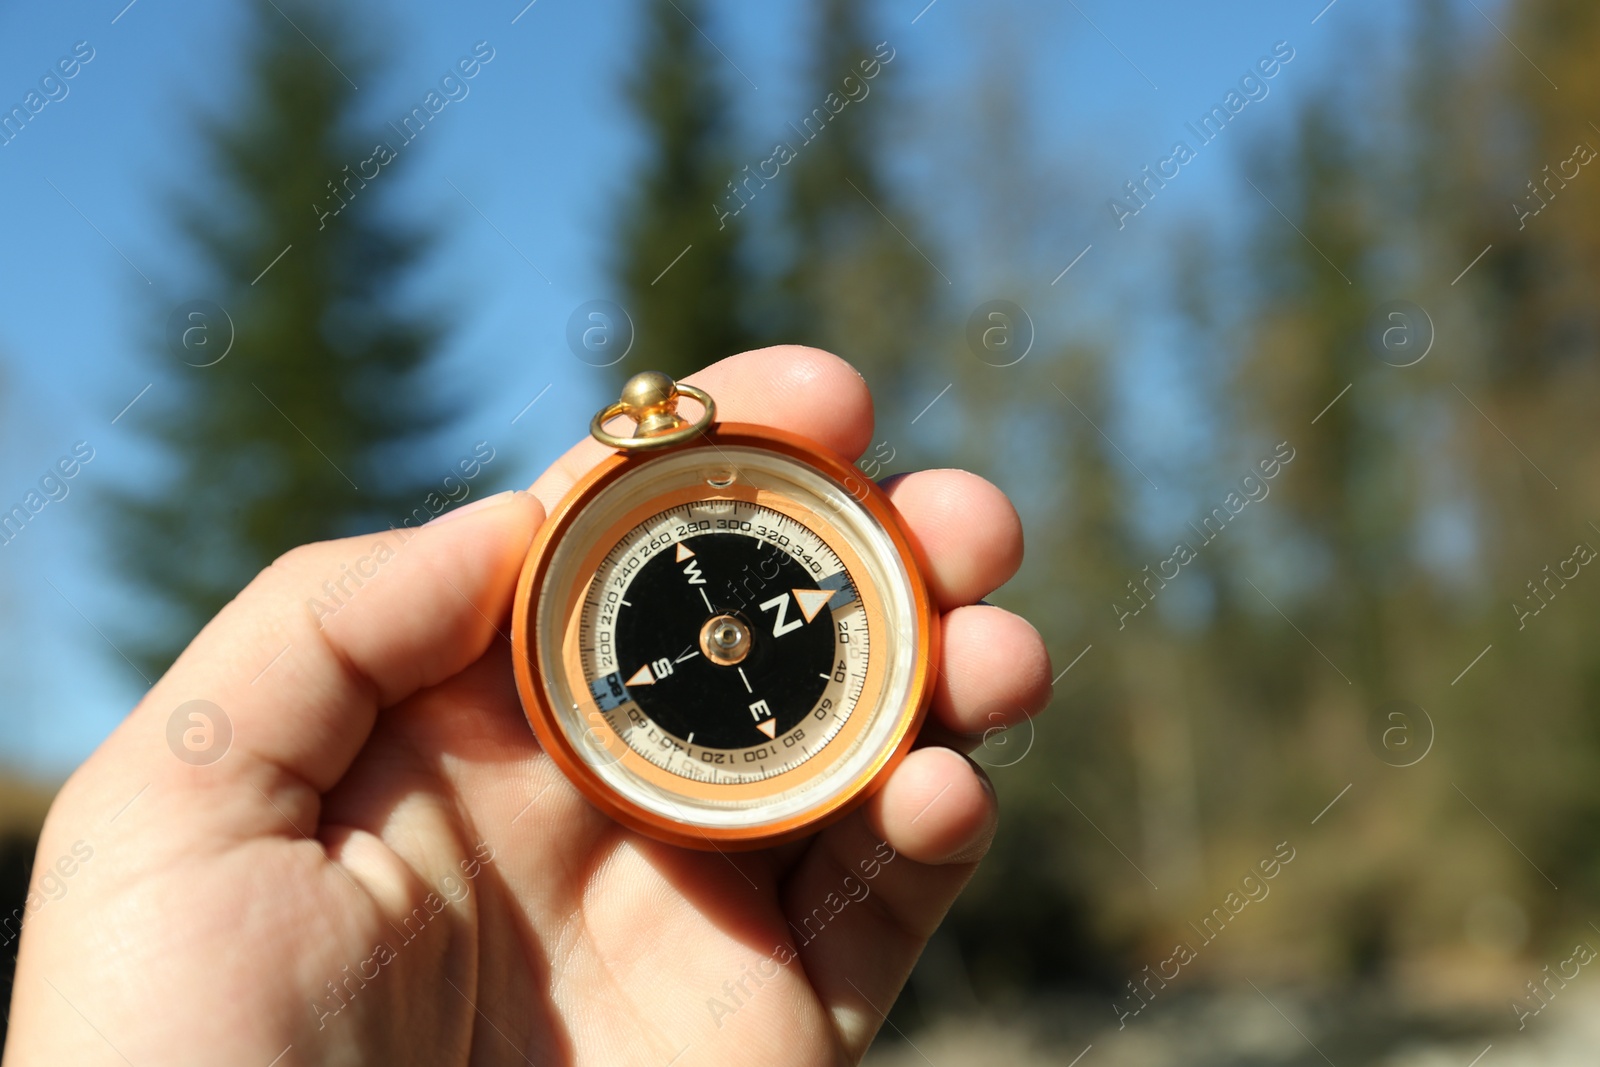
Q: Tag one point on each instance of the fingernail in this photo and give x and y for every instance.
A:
(476, 505)
(984, 779)
(983, 838)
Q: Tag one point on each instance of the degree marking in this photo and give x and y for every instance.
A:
(843, 598)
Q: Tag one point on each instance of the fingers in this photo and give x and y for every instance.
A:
(790, 387)
(864, 900)
(994, 671)
(300, 663)
(968, 529)
(936, 809)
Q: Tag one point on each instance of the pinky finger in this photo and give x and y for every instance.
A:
(901, 861)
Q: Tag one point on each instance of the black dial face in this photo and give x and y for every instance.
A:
(778, 663)
(724, 641)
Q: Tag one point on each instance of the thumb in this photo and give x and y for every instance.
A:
(283, 687)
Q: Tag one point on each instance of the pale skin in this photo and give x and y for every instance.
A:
(385, 756)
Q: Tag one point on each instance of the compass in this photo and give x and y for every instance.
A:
(723, 634)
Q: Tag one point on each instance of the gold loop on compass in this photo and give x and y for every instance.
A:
(650, 399)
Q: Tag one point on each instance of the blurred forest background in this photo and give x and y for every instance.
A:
(1387, 667)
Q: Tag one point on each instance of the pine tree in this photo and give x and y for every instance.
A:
(301, 431)
(1539, 386)
(678, 260)
(858, 282)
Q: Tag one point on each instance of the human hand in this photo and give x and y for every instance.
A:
(385, 868)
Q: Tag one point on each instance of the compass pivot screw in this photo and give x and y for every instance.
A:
(725, 640)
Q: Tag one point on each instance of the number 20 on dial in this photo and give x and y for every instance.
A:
(723, 637)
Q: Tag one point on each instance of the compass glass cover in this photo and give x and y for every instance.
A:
(726, 637)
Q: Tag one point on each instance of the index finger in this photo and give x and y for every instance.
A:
(789, 387)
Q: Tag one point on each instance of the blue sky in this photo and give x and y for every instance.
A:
(543, 146)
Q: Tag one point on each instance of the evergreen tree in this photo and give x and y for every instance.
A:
(301, 431)
(1539, 385)
(857, 282)
(678, 261)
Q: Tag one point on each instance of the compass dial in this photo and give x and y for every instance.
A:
(742, 576)
(726, 640)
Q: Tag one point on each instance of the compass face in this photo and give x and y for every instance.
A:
(760, 581)
(727, 642)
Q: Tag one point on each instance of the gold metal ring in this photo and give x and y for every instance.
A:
(667, 439)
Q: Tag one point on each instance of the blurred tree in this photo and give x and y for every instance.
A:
(1019, 413)
(1552, 311)
(1541, 388)
(1317, 295)
(856, 280)
(302, 430)
(678, 245)
(1407, 518)
(1391, 548)
(1338, 506)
